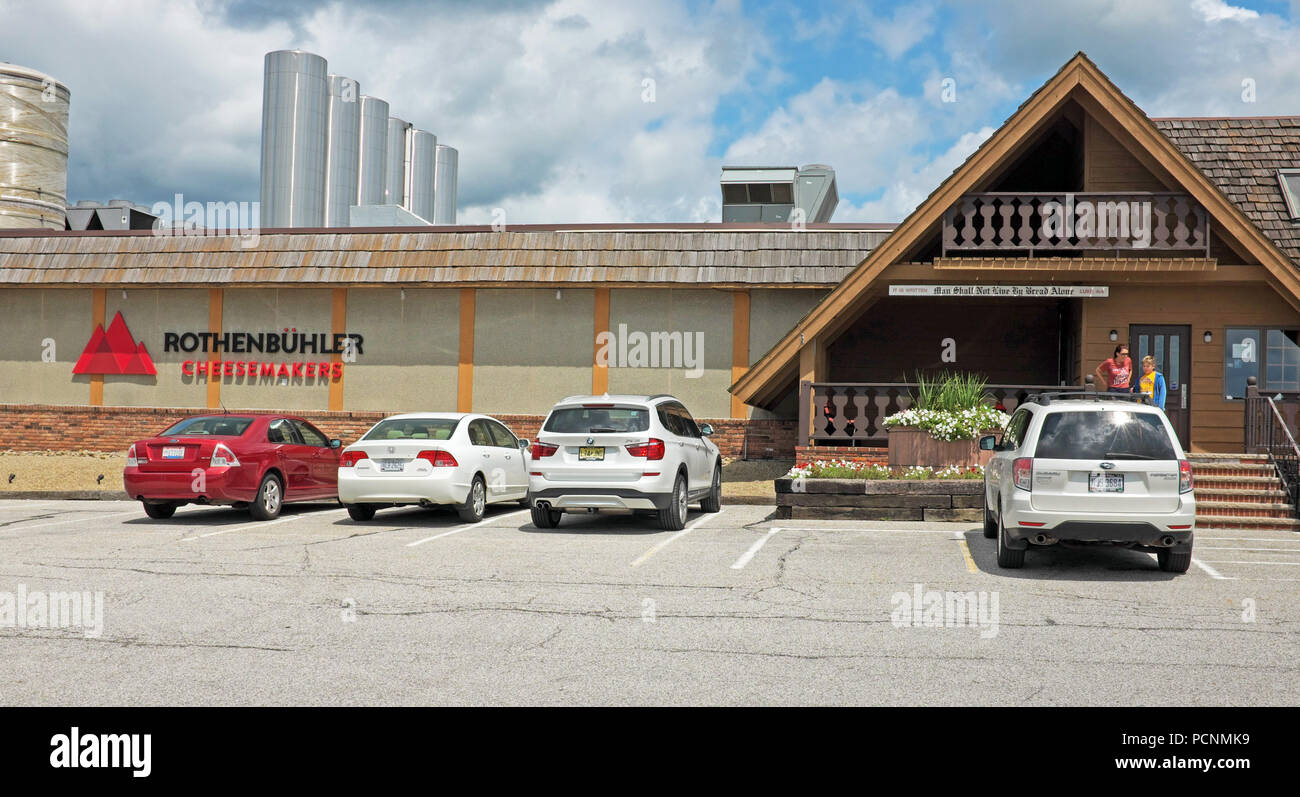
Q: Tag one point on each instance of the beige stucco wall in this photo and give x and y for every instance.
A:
(531, 349)
(149, 313)
(410, 350)
(708, 312)
(30, 317)
(773, 312)
(266, 310)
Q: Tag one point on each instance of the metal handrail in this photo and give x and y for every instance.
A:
(1261, 431)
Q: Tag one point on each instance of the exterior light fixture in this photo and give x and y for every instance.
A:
(1209, 338)
(1114, 335)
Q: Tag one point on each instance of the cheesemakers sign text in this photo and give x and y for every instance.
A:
(287, 341)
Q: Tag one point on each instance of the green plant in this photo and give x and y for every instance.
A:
(949, 391)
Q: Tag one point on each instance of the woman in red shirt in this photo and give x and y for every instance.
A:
(1117, 372)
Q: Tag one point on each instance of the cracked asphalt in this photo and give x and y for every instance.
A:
(416, 608)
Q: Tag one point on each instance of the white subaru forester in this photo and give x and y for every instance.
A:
(625, 453)
(1089, 468)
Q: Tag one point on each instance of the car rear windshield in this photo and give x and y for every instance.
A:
(586, 420)
(1112, 434)
(217, 425)
(413, 429)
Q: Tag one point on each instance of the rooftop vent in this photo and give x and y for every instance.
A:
(773, 194)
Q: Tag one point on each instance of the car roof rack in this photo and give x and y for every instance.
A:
(1047, 397)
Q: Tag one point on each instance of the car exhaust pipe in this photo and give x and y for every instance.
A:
(1043, 539)
(1167, 541)
(545, 506)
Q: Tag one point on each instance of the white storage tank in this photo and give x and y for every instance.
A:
(295, 106)
(398, 162)
(444, 185)
(33, 149)
(374, 151)
(424, 146)
(342, 149)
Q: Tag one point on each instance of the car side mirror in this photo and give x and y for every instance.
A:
(336, 443)
(524, 444)
(706, 430)
(988, 443)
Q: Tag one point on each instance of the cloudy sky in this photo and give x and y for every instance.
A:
(547, 101)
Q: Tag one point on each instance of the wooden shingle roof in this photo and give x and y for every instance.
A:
(613, 254)
(1241, 156)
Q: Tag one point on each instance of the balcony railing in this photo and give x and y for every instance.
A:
(851, 413)
(1062, 221)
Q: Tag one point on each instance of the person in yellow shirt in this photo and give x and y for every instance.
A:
(1152, 382)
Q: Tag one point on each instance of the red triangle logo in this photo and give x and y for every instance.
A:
(114, 352)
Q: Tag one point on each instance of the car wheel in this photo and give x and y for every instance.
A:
(475, 503)
(990, 525)
(545, 517)
(673, 516)
(361, 512)
(1174, 561)
(160, 511)
(1007, 557)
(713, 501)
(270, 496)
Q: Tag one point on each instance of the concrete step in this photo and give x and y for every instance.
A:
(1263, 495)
(1237, 482)
(1253, 459)
(1240, 522)
(1231, 469)
(1244, 509)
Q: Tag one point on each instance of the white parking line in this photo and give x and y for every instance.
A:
(1234, 548)
(753, 549)
(643, 558)
(882, 531)
(258, 524)
(464, 528)
(1202, 537)
(70, 520)
(1241, 562)
(1213, 573)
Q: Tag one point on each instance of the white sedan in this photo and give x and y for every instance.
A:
(434, 459)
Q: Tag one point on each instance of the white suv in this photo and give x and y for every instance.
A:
(1089, 467)
(622, 452)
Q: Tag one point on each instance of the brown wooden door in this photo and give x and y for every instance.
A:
(1170, 344)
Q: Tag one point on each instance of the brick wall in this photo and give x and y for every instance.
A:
(44, 427)
(870, 455)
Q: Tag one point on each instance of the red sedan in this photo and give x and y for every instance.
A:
(253, 461)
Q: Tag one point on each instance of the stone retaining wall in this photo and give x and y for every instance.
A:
(959, 500)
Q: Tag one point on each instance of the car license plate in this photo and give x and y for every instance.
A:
(390, 464)
(1105, 482)
(174, 452)
(591, 453)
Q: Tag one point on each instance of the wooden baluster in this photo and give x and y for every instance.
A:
(879, 399)
(950, 229)
(860, 399)
(986, 238)
(1180, 227)
(840, 422)
(1006, 234)
(968, 235)
(1026, 223)
(1160, 234)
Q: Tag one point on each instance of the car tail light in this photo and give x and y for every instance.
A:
(224, 457)
(1184, 476)
(540, 450)
(652, 449)
(1022, 473)
(351, 458)
(131, 460)
(438, 458)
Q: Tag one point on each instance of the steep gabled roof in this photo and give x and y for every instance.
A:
(1241, 156)
(1079, 79)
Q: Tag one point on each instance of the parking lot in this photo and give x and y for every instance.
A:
(416, 607)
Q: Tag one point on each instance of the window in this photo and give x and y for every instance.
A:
(1289, 181)
(413, 429)
(502, 436)
(689, 429)
(281, 431)
(585, 420)
(1270, 355)
(1109, 434)
(224, 425)
(479, 435)
(311, 435)
(1016, 428)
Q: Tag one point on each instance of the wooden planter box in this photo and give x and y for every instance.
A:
(948, 500)
(910, 446)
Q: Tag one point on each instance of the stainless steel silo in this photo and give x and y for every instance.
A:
(342, 149)
(295, 108)
(33, 149)
(398, 161)
(444, 185)
(374, 151)
(424, 154)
